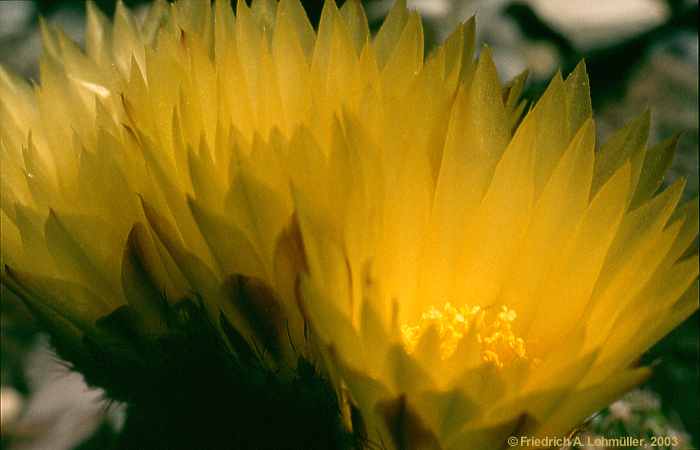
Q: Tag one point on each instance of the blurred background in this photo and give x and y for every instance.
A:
(639, 53)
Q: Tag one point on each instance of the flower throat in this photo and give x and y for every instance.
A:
(491, 328)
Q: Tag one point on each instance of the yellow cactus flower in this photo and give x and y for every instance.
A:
(461, 271)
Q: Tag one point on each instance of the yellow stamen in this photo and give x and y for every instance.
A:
(491, 328)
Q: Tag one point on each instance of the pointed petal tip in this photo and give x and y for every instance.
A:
(580, 67)
(675, 137)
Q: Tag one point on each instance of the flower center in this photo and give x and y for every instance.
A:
(492, 328)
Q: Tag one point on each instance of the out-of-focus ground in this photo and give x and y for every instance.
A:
(640, 54)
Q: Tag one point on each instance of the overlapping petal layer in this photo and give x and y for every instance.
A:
(346, 185)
